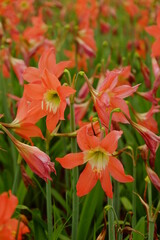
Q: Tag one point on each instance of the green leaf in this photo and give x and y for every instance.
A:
(140, 227)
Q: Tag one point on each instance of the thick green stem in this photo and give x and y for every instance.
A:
(49, 209)
(134, 198)
(151, 230)
(75, 200)
(151, 221)
(116, 199)
(111, 221)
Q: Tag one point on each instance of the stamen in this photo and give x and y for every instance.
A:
(42, 104)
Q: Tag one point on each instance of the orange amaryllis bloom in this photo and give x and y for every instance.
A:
(155, 32)
(38, 161)
(110, 96)
(47, 61)
(8, 226)
(98, 153)
(49, 98)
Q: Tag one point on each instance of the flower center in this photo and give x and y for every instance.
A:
(98, 158)
(52, 101)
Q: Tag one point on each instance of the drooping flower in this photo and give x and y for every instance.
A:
(49, 98)
(38, 161)
(8, 225)
(151, 139)
(98, 154)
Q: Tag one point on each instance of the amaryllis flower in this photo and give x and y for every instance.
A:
(98, 154)
(38, 161)
(110, 96)
(47, 61)
(155, 32)
(9, 226)
(49, 98)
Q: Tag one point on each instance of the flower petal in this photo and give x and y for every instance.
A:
(31, 75)
(65, 91)
(58, 69)
(47, 60)
(110, 142)
(156, 48)
(125, 90)
(153, 31)
(85, 141)
(36, 90)
(116, 169)
(86, 182)
(118, 116)
(106, 183)
(51, 121)
(49, 80)
(71, 160)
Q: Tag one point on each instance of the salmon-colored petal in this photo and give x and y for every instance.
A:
(110, 81)
(49, 80)
(58, 69)
(32, 75)
(156, 48)
(81, 139)
(51, 121)
(8, 204)
(28, 130)
(5, 233)
(62, 108)
(13, 225)
(116, 169)
(71, 160)
(106, 183)
(125, 90)
(65, 91)
(87, 181)
(110, 142)
(47, 60)
(153, 31)
(34, 91)
(85, 141)
(118, 116)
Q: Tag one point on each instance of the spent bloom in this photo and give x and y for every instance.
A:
(98, 154)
